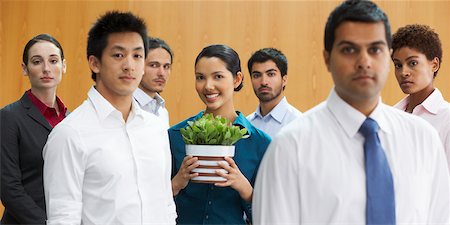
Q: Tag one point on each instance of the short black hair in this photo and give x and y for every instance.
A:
(227, 55)
(355, 11)
(113, 22)
(266, 54)
(154, 43)
(39, 38)
(421, 38)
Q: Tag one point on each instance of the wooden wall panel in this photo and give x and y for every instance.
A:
(295, 27)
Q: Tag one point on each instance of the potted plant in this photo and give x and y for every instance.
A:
(211, 139)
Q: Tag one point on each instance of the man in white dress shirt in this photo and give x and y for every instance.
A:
(109, 162)
(314, 170)
(157, 71)
(268, 73)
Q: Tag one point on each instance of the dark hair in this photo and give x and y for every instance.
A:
(154, 43)
(39, 38)
(113, 22)
(227, 55)
(355, 11)
(421, 38)
(266, 54)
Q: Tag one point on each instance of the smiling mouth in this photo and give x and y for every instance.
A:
(211, 96)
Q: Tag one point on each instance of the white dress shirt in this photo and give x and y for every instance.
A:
(281, 114)
(313, 171)
(436, 111)
(99, 169)
(152, 105)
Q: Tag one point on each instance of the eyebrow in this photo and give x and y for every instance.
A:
(213, 73)
(40, 56)
(344, 42)
(160, 62)
(271, 70)
(410, 57)
(118, 47)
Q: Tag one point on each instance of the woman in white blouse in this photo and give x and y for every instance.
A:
(417, 57)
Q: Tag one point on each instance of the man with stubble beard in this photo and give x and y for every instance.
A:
(268, 73)
(157, 71)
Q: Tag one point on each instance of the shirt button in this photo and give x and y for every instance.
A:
(212, 188)
(206, 217)
(209, 203)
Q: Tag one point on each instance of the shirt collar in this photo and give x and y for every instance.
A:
(104, 108)
(351, 119)
(433, 102)
(277, 113)
(43, 107)
(143, 98)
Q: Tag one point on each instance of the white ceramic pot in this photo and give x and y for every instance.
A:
(208, 158)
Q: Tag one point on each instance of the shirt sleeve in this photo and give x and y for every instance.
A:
(171, 209)
(276, 198)
(446, 143)
(13, 195)
(439, 212)
(64, 165)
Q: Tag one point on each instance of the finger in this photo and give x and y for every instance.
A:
(231, 161)
(192, 175)
(227, 176)
(186, 158)
(191, 167)
(225, 166)
(191, 161)
(223, 184)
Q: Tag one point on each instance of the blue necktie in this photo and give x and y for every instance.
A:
(380, 206)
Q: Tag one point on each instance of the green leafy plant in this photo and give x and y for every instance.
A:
(210, 130)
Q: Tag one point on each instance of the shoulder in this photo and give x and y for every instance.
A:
(256, 134)
(411, 127)
(293, 110)
(84, 114)
(15, 112)
(15, 106)
(11, 110)
(251, 116)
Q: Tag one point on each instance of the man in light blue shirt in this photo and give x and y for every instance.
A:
(268, 73)
(157, 71)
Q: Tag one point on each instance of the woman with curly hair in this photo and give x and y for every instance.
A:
(417, 57)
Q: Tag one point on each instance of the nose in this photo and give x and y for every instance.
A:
(127, 63)
(264, 80)
(364, 61)
(405, 72)
(209, 84)
(161, 71)
(46, 66)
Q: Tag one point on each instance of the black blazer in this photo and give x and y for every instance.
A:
(23, 134)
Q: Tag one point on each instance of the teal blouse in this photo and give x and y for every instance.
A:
(205, 203)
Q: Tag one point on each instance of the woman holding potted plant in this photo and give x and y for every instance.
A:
(218, 75)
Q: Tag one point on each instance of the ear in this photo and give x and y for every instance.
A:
(326, 58)
(24, 69)
(64, 66)
(284, 79)
(238, 79)
(435, 64)
(94, 64)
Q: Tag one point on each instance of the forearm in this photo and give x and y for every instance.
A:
(177, 185)
(246, 192)
(22, 207)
